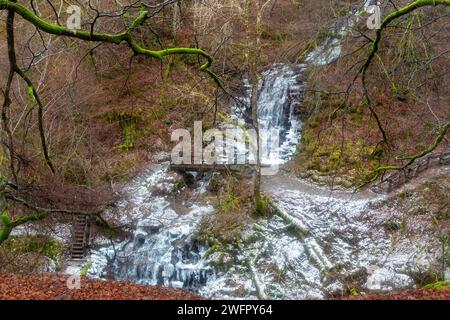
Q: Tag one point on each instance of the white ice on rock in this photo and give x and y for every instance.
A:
(339, 243)
(385, 280)
(162, 250)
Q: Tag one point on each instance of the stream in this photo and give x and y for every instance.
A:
(320, 243)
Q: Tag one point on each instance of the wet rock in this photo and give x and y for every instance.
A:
(358, 278)
(149, 226)
(386, 280)
(175, 233)
(42, 264)
(139, 239)
(190, 178)
(335, 289)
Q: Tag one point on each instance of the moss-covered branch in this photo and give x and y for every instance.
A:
(391, 17)
(431, 148)
(363, 71)
(376, 44)
(15, 69)
(7, 225)
(95, 214)
(123, 37)
(6, 94)
(4, 229)
(34, 97)
(380, 170)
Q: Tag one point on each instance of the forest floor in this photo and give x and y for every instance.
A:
(54, 287)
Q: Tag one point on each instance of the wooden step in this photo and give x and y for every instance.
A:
(80, 237)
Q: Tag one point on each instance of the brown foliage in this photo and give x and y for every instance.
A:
(54, 287)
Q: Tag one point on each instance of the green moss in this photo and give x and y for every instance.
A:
(426, 277)
(43, 245)
(130, 136)
(178, 186)
(313, 124)
(392, 225)
(6, 228)
(442, 216)
(403, 195)
(262, 205)
(354, 292)
(377, 154)
(421, 209)
(133, 123)
(86, 268)
(332, 158)
(323, 148)
(231, 199)
(216, 246)
(439, 285)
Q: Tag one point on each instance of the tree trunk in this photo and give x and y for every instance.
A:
(258, 203)
(4, 228)
(254, 60)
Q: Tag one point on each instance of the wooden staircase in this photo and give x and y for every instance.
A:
(80, 238)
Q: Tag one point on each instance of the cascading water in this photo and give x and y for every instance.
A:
(331, 48)
(280, 96)
(317, 242)
(162, 250)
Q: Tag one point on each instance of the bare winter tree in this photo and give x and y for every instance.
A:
(389, 19)
(44, 22)
(389, 77)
